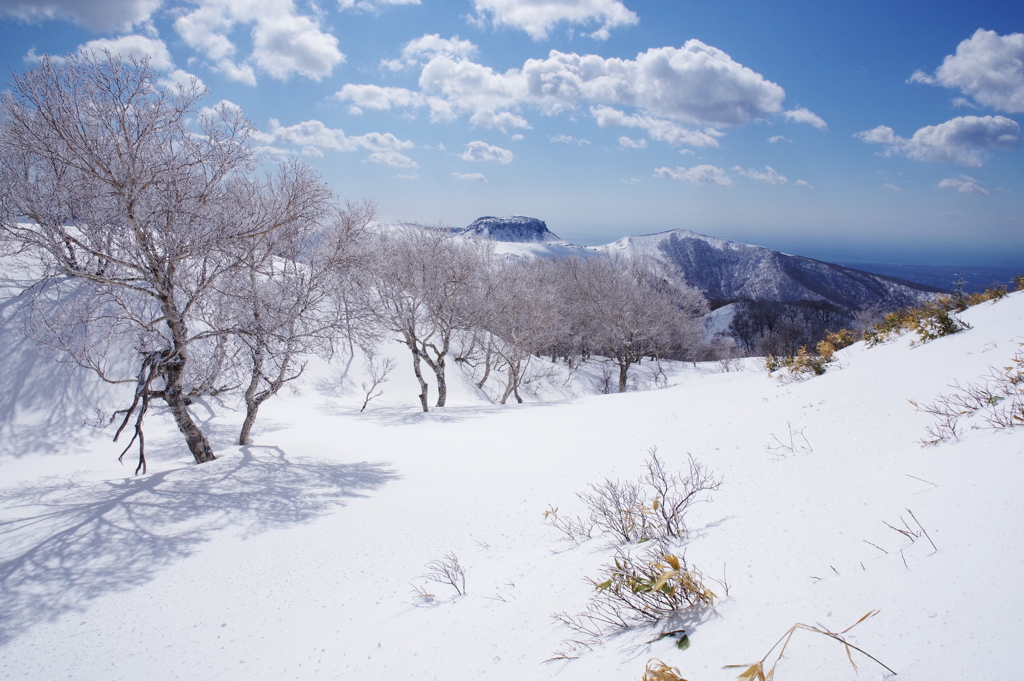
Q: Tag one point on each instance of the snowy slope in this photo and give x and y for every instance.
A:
(729, 271)
(294, 558)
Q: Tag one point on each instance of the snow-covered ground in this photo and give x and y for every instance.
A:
(296, 557)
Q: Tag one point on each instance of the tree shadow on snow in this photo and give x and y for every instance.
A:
(65, 542)
(44, 405)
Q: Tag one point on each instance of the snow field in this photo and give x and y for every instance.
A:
(294, 558)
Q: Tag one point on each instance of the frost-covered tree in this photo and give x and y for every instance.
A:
(137, 206)
(290, 301)
(520, 313)
(425, 286)
(630, 308)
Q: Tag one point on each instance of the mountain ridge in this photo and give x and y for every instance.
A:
(726, 271)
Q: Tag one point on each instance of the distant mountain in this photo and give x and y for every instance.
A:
(514, 229)
(728, 271)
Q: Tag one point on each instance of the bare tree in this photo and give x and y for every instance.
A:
(520, 310)
(424, 286)
(110, 184)
(284, 303)
(628, 309)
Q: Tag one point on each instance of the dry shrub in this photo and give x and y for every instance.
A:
(654, 586)
(998, 399)
(659, 671)
(932, 320)
(806, 364)
(634, 511)
(756, 671)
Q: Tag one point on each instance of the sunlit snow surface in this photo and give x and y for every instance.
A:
(294, 558)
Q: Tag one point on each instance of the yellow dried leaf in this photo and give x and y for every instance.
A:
(663, 579)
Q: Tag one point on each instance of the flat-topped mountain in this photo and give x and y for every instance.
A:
(514, 229)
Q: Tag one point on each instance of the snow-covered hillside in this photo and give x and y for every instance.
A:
(297, 557)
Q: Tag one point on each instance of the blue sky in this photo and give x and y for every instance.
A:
(867, 131)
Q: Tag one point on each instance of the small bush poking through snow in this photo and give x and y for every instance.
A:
(653, 586)
(659, 671)
(642, 586)
(652, 507)
(999, 399)
(932, 320)
(805, 364)
(756, 671)
(448, 571)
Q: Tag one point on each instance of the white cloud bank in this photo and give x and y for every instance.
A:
(105, 16)
(670, 87)
(469, 177)
(702, 174)
(769, 176)
(965, 184)
(313, 138)
(481, 152)
(539, 17)
(802, 115)
(987, 67)
(283, 42)
(962, 140)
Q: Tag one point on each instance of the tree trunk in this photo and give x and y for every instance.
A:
(510, 386)
(252, 403)
(442, 385)
(419, 377)
(250, 418)
(487, 366)
(173, 395)
(623, 372)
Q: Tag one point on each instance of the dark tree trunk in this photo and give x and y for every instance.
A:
(176, 401)
(623, 373)
(419, 377)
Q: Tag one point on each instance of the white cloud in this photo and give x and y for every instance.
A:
(408, 176)
(138, 46)
(695, 84)
(178, 78)
(283, 41)
(658, 128)
(378, 98)
(392, 158)
(805, 116)
(702, 174)
(517, 138)
(105, 16)
(568, 139)
(469, 177)
(769, 176)
(314, 135)
(373, 5)
(803, 183)
(964, 102)
(987, 67)
(630, 143)
(965, 184)
(962, 140)
(774, 139)
(539, 17)
(891, 188)
(481, 151)
(422, 50)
